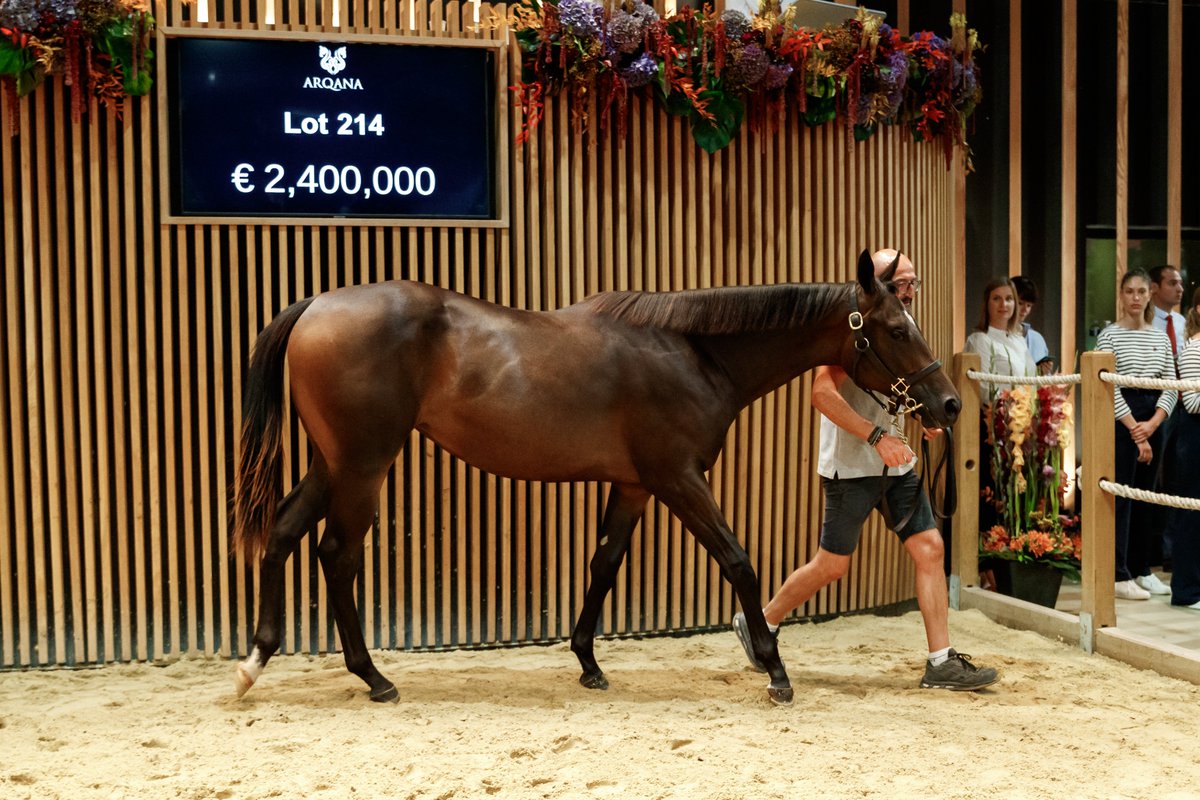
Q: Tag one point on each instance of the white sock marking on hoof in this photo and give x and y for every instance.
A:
(248, 672)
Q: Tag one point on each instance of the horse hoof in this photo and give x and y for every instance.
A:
(386, 695)
(593, 681)
(780, 695)
(242, 680)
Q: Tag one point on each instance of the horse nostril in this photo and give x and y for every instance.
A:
(953, 406)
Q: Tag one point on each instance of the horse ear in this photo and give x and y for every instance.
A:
(866, 273)
(890, 272)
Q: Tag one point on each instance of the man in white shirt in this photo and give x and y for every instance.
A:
(856, 443)
(1166, 292)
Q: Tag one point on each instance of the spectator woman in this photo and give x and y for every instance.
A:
(999, 338)
(1142, 351)
(1185, 579)
(1000, 341)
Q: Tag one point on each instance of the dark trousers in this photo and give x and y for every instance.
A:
(1185, 531)
(1172, 479)
(1136, 537)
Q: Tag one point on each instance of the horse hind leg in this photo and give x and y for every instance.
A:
(341, 555)
(692, 501)
(625, 507)
(298, 513)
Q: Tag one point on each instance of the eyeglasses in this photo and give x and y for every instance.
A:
(903, 286)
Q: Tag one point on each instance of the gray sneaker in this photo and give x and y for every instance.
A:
(743, 634)
(958, 674)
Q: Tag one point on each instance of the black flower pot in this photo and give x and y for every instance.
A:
(1035, 583)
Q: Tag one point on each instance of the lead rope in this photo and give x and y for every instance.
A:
(949, 493)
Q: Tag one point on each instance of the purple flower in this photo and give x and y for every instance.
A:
(777, 76)
(647, 13)
(736, 23)
(748, 67)
(964, 82)
(29, 14)
(625, 31)
(641, 71)
(895, 80)
(581, 17)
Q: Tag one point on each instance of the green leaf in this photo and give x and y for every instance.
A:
(13, 60)
(117, 40)
(678, 104)
(728, 113)
(30, 79)
(864, 132)
(820, 110)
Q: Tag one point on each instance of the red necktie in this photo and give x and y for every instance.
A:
(1174, 344)
(1174, 351)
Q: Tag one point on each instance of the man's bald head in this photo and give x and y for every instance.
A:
(902, 278)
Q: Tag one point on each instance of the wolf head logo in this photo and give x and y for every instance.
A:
(332, 61)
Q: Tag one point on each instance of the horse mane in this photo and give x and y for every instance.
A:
(728, 310)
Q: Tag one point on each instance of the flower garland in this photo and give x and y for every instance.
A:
(716, 70)
(98, 46)
(1028, 430)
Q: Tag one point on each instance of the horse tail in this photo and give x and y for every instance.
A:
(259, 483)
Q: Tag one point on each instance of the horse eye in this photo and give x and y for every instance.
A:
(899, 334)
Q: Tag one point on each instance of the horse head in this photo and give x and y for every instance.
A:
(885, 351)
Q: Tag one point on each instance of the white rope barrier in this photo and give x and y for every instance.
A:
(1121, 490)
(1118, 489)
(1031, 380)
(1150, 383)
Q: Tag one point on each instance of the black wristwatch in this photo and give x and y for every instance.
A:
(875, 436)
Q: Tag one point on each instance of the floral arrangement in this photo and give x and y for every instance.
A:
(718, 69)
(101, 47)
(1028, 430)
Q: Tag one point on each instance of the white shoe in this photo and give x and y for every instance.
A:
(1152, 584)
(1128, 590)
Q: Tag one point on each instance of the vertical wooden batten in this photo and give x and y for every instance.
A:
(1122, 154)
(1069, 257)
(958, 283)
(1015, 117)
(1175, 135)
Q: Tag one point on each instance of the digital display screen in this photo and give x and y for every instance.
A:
(295, 128)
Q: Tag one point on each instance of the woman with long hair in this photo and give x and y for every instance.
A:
(1142, 351)
(999, 338)
(1000, 341)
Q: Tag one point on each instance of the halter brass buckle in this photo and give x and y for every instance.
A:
(900, 388)
(856, 320)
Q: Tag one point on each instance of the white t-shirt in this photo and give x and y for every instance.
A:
(844, 455)
(1002, 353)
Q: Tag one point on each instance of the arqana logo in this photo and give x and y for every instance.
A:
(332, 61)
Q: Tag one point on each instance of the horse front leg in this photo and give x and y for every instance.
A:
(624, 508)
(298, 513)
(341, 555)
(691, 499)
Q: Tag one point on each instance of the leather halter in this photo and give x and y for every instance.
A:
(900, 403)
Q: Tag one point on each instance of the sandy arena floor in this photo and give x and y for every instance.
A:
(684, 719)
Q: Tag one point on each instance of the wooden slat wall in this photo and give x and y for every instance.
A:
(124, 340)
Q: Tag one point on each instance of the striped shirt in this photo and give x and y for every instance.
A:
(1141, 353)
(1189, 370)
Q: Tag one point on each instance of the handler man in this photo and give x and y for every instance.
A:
(856, 443)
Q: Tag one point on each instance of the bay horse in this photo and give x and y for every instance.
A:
(636, 389)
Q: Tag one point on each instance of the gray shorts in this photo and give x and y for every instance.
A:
(849, 501)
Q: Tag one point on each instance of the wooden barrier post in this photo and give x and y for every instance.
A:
(964, 546)
(1097, 507)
